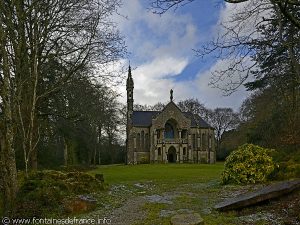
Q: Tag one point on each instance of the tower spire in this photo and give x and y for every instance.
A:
(129, 71)
(129, 89)
(129, 83)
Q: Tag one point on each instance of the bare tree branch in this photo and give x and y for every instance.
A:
(162, 6)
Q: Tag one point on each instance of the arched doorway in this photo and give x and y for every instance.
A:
(172, 155)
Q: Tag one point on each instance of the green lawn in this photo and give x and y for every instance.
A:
(189, 187)
(195, 186)
(180, 173)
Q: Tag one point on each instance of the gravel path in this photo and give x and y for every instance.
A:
(131, 212)
(125, 205)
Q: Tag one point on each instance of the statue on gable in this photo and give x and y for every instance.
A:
(171, 95)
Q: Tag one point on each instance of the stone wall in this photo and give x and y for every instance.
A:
(138, 148)
(171, 111)
(197, 147)
(142, 157)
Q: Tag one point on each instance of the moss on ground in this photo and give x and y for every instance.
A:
(153, 211)
(42, 193)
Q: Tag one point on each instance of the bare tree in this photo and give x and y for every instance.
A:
(193, 106)
(283, 6)
(161, 6)
(241, 36)
(8, 170)
(157, 107)
(223, 119)
(34, 34)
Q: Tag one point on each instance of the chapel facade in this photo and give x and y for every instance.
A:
(167, 136)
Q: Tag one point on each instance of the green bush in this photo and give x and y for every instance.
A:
(248, 164)
(288, 160)
(287, 155)
(288, 170)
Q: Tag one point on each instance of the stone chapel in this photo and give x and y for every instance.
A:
(167, 136)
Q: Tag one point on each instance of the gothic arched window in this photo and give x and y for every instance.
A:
(138, 141)
(142, 140)
(194, 141)
(158, 134)
(184, 134)
(204, 141)
(146, 142)
(169, 131)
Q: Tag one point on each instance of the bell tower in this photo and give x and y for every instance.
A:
(129, 89)
(129, 140)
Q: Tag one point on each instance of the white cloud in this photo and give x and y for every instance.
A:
(243, 17)
(150, 35)
(211, 97)
(152, 81)
(214, 97)
(161, 49)
(151, 86)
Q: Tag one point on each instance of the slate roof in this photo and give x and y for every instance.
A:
(144, 119)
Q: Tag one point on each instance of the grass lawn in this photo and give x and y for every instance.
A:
(191, 187)
(179, 173)
(151, 194)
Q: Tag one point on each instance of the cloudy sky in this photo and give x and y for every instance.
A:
(161, 52)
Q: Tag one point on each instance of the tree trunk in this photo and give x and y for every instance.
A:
(99, 155)
(8, 172)
(99, 142)
(65, 152)
(34, 160)
(32, 151)
(8, 168)
(95, 154)
(110, 148)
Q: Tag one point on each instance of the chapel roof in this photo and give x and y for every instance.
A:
(144, 119)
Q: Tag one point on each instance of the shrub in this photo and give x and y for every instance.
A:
(288, 170)
(248, 164)
(289, 163)
(43, 192)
